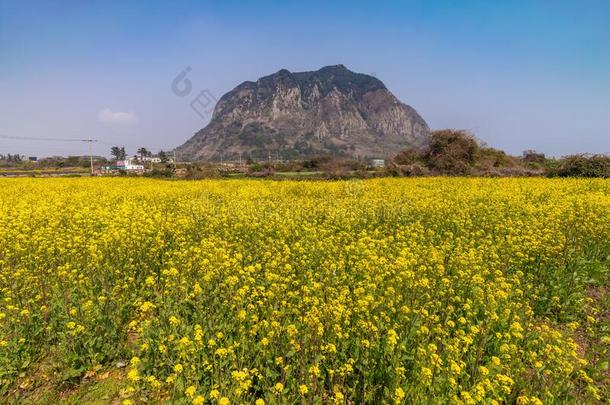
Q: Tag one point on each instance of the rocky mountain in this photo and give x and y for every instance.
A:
(298, 115)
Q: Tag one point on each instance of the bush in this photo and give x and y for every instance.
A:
(330, 164)
(408, 157)
(582, 166)
(494, 158)
(457, 153)
(255, 167)
(293, 166)
(204, 171)
(316, 162)
(409, 170)
(531, 156)
(156, 173)
(261, 170)
(449, 152)
(452, 152)
(414, 170)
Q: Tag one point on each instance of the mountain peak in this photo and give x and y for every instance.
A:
(301, 114)
(326, 69)
(335, 68)
(283, 72)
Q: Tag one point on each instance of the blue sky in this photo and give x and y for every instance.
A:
(520, 74)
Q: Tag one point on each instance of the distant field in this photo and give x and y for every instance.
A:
(235, 291)
(49, 172)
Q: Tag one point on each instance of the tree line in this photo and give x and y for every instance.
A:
(119, 153)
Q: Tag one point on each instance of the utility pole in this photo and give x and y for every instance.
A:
(90, 142)
(29, 138)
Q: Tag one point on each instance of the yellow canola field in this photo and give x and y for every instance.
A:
(246, 291)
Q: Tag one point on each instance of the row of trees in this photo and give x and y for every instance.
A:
(119, 153)
(16, 158)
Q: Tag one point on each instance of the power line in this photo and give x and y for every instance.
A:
(31, 138)
(89, 140)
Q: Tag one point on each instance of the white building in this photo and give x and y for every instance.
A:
(152, 159)
(128, 165)
(377, 162)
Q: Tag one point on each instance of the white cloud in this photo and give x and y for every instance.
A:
(117, 117)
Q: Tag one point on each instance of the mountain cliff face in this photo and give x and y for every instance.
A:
(298, 115)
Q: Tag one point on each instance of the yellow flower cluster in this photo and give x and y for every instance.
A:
(245, 291)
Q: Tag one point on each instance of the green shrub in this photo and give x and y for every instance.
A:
(582, 166)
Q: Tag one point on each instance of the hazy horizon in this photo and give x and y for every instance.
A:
(518, 75)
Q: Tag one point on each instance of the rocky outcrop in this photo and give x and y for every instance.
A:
(297, 115)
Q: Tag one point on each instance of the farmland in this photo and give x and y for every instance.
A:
(251, 291)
